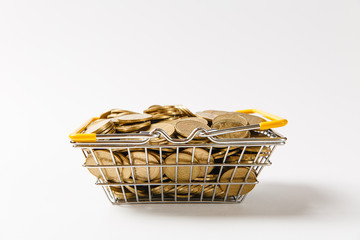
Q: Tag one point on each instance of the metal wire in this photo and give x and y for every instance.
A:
(206, 190)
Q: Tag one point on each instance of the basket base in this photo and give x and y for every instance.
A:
(192, 200)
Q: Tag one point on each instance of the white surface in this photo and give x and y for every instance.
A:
(62, 62)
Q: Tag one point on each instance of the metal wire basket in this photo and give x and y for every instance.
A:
(242, 174)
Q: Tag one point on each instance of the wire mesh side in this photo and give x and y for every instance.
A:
(212, 188)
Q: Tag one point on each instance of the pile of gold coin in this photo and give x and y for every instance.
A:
(158, 172)
(178, 122)
(168, 112)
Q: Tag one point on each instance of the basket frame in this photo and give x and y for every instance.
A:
(117, 142)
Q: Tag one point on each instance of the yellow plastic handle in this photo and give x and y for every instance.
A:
(77, 136)
(275, 122)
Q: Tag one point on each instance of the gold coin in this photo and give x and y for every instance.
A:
(194, 140)
(168, 150)
(117, 111)
(239, 176)
(232, 117)
(133, 127)
(199, 119)
(159, 117)
(115, 116)
(141, 173)
(182, 110)
(168, 128)
(134, 118)
(230, 124)
(153, 107)
(183, 173)
(185, 127)
(163, 112)
(109, 130)
(155, 152)
(185, 110)
(112, 115)
(158, 109)
(171, 121)
(106, 128)
(104, 158)
(156, 141)
(126, 171)
(170, 111)
(251, 119)
(113, 131)
(99, 126)
(202, 156)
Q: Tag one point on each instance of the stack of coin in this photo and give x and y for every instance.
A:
(210, 115)
(185, 111)
(133, 122)
(113, 113)
(168, 112)
(251, 119)
(230, 120)
(101, 126)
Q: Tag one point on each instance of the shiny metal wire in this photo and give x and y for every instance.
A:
(129, 142)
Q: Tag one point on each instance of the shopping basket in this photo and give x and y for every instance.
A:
(241, 178)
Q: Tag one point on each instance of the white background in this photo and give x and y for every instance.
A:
(62, 62)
